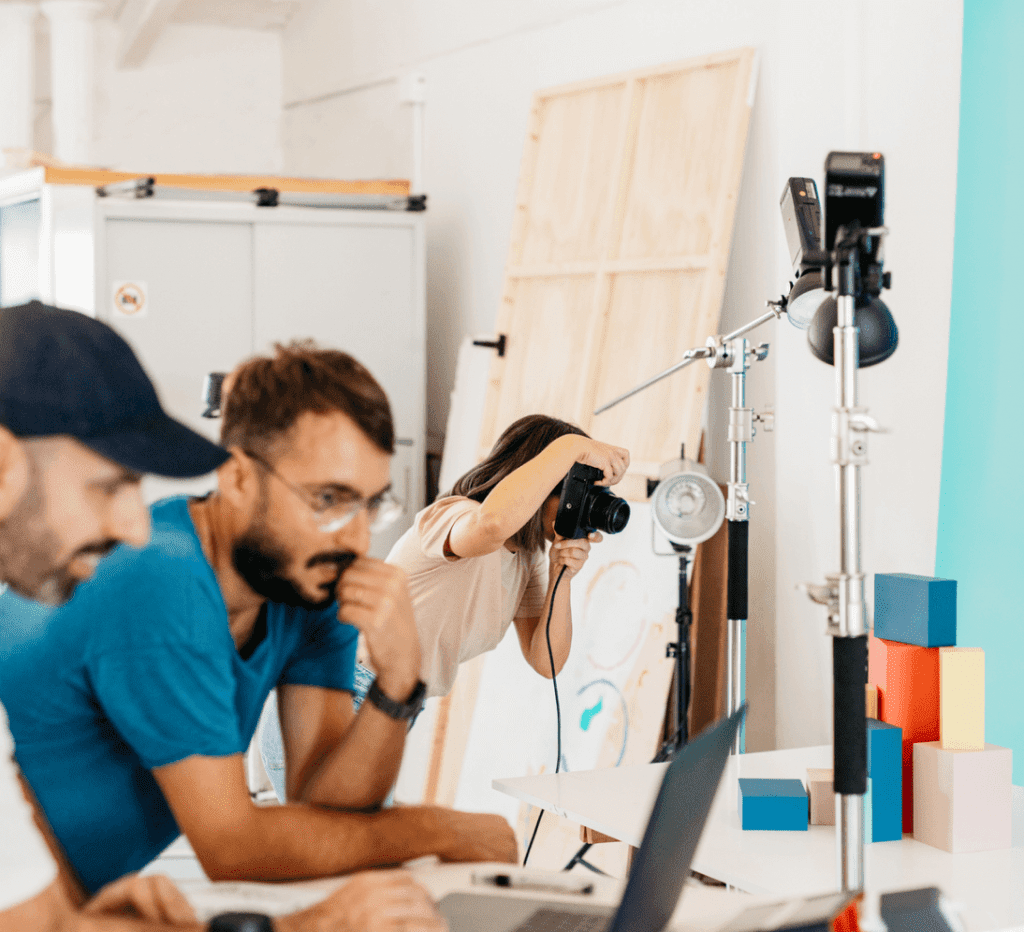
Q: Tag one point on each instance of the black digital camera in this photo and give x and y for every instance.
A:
(584, 507)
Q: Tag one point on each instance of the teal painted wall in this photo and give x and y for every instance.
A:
(981, 506)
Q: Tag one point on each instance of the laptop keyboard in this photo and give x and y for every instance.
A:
(558, 920)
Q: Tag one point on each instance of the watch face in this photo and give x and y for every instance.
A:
(241, 922)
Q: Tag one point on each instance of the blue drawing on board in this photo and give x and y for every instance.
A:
(593, 711)
(588, 714)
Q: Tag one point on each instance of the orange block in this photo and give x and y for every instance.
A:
(876, 661)
(911, 693)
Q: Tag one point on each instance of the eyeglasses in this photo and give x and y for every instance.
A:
(332, 509)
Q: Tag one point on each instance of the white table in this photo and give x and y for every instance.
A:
(700, 908)
(988, 886)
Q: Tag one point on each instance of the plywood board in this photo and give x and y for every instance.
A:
(708, 597)
(623, 223)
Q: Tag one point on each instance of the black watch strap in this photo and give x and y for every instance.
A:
(241, 922)
(400, 711)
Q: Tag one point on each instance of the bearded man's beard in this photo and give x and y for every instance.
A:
(260, 559)
(29, 549)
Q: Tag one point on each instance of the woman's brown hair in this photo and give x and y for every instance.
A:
(521, 442)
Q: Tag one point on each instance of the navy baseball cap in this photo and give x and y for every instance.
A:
(64, 373)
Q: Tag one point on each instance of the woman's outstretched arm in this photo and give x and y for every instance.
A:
(516, 499)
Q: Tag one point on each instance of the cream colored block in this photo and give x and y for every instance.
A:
(962, 799)
(821, 796)
(962, 698)
(871, 701)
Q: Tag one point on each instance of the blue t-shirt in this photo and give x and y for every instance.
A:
(137, 671)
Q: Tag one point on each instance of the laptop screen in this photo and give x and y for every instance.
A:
(662, 863)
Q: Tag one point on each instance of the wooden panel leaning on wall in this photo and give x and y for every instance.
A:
(618, 254)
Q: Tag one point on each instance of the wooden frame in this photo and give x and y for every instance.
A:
(619, 247)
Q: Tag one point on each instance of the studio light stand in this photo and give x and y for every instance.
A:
(843, 592)
(734, 353)
(688, 508)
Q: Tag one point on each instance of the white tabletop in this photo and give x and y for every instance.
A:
(700, 908)
(989, 886)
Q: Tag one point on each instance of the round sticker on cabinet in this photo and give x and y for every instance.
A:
(130, 299)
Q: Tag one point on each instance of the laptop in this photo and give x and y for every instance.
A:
(660, 867)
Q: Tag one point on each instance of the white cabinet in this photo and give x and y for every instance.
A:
(221, 280)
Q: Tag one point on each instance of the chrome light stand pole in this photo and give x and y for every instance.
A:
(843, 592)
(734, 353)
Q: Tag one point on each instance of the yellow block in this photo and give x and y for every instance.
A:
(871, 701)
(962, 698)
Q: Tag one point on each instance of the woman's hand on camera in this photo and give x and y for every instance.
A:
(570, 553)
(611, 460)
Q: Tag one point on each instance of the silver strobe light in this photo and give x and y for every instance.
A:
(688, 505)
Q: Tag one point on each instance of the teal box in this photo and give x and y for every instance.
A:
(917, 610)
(773, 805)
(883, 812)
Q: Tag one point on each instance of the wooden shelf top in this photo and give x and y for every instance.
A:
(100, 177)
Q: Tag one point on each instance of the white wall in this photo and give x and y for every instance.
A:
(207, 99)
(834, 73)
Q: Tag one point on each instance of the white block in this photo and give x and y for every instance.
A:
(962, 799)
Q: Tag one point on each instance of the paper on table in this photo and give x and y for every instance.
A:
(272, 899)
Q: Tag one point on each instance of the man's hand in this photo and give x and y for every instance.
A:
(373, 596)
(153, 898)
(476, 836)
(374, 901)
(571, 553)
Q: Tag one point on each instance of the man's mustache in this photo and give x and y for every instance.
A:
(100, 548)
(343, 559)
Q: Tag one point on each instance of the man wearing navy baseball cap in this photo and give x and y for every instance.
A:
(80, 423)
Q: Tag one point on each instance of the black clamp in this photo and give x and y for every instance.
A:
(266, 197)
(416, 202)
(498, 344)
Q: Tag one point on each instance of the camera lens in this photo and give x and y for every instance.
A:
(603, 511)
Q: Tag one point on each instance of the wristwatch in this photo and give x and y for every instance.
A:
(400, 711)
(241, 922)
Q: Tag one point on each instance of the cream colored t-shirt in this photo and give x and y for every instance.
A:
(26, 866)
(463, 605)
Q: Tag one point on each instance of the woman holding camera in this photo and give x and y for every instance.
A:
(476, 559)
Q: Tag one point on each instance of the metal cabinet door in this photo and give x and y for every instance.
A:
(196, 277)
(354, 286)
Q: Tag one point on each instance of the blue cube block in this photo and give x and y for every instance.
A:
(776, 805)
(884, 818)
(917, 610)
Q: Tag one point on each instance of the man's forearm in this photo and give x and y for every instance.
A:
(297, 841)
(103, 922)
(360, 771)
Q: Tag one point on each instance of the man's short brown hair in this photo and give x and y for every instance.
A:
(267, 394)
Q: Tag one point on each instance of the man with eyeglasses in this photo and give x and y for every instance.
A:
(264, 583)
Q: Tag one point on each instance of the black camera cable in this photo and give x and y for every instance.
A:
(558, 708)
